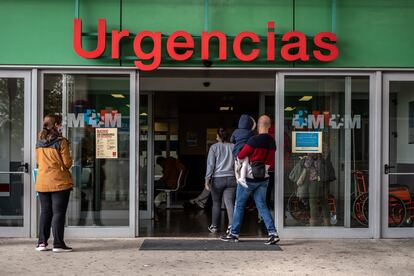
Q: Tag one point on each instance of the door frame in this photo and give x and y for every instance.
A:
(149, 213)
(374, 164)
(23, 231)
(390, 232)
(110, 231)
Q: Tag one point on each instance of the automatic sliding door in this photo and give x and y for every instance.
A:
(96, 109)
(398, 199)
(325, 159)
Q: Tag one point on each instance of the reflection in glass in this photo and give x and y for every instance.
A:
(323, 178)
(401, 154)
(143, 152)
(101, 186)
(360, 152)
(11, 150)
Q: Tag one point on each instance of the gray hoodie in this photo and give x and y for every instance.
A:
(220, 161)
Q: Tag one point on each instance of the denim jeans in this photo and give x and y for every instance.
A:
(222, 187)
(258, 190)
(53, 207)
(270, 188)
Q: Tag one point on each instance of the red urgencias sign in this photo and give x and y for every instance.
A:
(324, 42)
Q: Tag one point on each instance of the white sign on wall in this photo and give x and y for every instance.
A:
(106, 143)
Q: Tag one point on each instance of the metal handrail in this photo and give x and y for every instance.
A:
(16, 172)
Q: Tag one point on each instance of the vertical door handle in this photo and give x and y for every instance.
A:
(387, 168)
(25, 166)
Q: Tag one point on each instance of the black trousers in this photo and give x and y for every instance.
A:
(53, 208)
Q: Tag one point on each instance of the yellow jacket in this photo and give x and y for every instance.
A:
(54, 161)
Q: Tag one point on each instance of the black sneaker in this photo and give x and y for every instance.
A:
(229, 238)
(213, 229)
(62, 249)
(273, 239)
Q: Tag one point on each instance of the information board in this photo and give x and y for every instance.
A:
(306, 141)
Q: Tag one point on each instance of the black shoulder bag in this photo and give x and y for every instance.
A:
(259, 168)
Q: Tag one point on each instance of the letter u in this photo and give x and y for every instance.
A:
(77, 39)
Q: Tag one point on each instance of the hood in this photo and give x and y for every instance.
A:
(48, 144)
(245, 122)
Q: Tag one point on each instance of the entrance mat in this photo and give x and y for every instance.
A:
(206, 245)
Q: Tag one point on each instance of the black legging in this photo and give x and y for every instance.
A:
(53, 208)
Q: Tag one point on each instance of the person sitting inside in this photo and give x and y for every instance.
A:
(200, 201)
(171, 168)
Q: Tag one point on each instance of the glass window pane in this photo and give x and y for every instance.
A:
(143, 153)
(401, 154)
(101, 185)
(52, 94)
(11, 150)
(326, 151)
(359, 152)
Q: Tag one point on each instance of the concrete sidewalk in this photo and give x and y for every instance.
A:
(299, 257)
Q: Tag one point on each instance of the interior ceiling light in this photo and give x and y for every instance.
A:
(226, 108)
(289, 108)
(305, 98)
(143, 114)
(118, 96)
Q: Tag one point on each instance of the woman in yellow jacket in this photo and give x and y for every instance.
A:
(53, 183)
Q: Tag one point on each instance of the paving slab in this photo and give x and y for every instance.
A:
(298, 257)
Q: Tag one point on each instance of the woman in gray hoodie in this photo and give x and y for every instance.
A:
(220, 178)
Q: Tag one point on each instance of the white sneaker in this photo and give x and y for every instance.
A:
(228, 231)
(41, 247)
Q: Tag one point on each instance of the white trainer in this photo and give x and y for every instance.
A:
(41, 247)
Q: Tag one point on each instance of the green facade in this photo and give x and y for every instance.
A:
(371, 33)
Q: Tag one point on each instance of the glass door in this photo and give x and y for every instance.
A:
(98, 109)
(398, 167)
(14, 154)
(323, 134)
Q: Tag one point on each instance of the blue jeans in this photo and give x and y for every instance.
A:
(258, 190)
